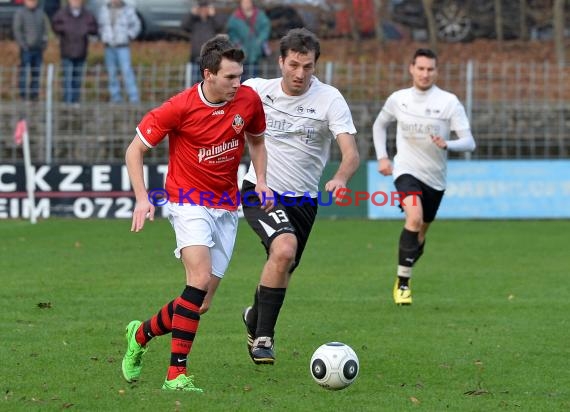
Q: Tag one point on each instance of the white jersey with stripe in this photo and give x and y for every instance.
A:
(419, 115)
(299, 133)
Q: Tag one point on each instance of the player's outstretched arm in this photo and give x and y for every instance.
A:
(134, 161)
(379, 136)
(464, 142)
(258, 155)
(348, 164)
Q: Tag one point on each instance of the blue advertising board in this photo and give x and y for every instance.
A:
(491, 189)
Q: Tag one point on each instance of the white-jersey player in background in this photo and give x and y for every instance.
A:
(303, 116)
(425, 116)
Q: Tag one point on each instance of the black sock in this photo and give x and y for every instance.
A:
(408, 248)
(420, 251)
(269, 304)
(403, 281)
(252, 315)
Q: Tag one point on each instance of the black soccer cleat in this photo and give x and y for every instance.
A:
(250, 331)
(262, 352)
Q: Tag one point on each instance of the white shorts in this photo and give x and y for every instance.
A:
(200, 225)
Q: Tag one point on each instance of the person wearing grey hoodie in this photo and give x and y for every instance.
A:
(118, 26)
(30, 32)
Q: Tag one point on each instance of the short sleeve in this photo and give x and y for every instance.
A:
(159, 122)
(339, 117)
(257, 125)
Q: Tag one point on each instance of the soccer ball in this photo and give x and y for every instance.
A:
(334, 365)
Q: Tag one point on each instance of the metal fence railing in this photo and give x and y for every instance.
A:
(518, 110)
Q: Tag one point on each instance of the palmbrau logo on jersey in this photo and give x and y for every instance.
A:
(218, 150)
(238, 123)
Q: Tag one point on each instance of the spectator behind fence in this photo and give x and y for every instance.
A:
(249, 27)
(30, 32)
(73, 24)
(202, 24)
(118, 25)
(51, 7)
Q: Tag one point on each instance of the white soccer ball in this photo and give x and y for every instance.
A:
(334, 365)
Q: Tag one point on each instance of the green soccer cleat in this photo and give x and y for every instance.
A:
(402, 294)
(132, 361)
(181, 383)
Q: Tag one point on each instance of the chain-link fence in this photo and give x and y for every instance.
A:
(517, 109)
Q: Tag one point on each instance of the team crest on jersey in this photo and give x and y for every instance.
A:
(238, 123)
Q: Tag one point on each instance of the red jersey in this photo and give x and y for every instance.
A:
(206, 143)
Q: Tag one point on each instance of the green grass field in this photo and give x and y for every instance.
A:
(488, 330)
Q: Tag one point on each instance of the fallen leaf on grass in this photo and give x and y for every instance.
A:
(476, 392)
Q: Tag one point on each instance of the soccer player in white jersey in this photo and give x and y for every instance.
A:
(303, 116)
(425, 116)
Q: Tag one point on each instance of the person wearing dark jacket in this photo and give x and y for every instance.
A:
(202, 23)
(73, 24)
(30, 32)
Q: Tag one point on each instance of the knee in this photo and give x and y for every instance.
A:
(284, 252)
(414, 222)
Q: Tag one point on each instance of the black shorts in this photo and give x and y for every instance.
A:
(430, 197)
(290, 215)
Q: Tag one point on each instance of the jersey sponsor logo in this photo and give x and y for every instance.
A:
(238, 123)
(420, 128)
(218, 150)
(281, 124)
(270, 98)
(218, 112)
(301, 110)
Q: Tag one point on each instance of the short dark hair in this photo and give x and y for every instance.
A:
(300, 41)
(430, 54)
(215, 49)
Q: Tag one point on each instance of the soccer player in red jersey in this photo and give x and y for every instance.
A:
(207, 127)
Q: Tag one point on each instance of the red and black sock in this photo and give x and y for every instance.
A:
(184, 326)
(160, 324)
